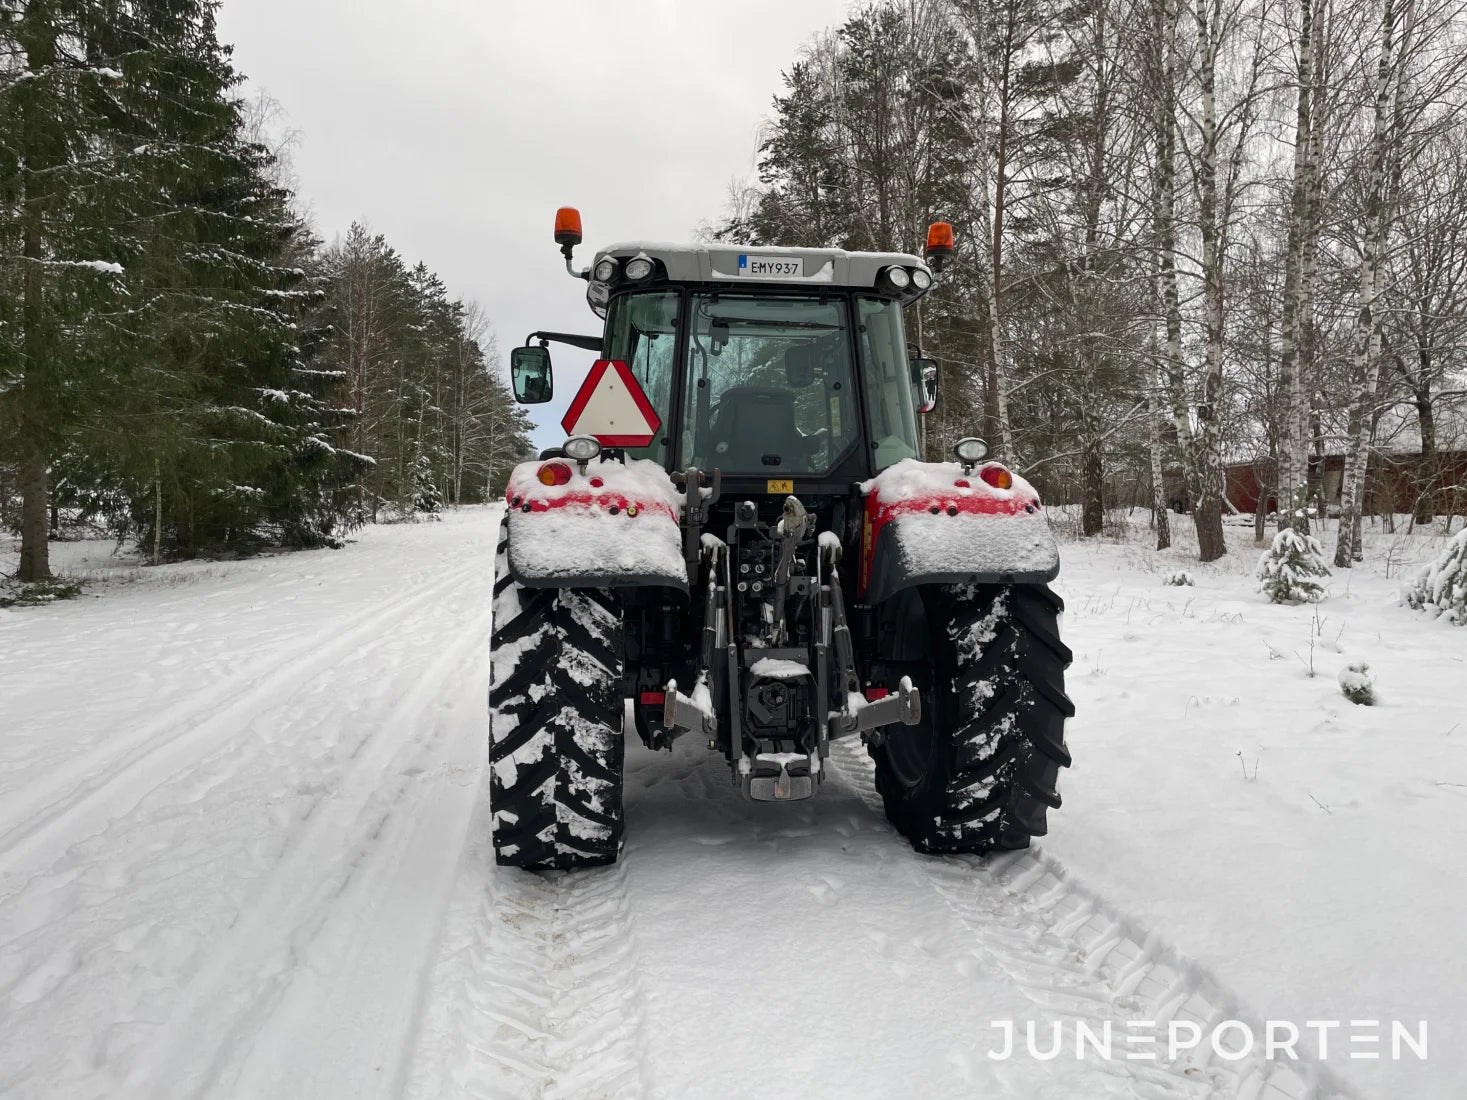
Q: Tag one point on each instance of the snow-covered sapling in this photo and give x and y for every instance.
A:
(1357, 683)
(1441, 588)
(1290, 570)
(1179, 578)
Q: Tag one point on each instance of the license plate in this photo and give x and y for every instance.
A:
(771, 267)
(776, 485)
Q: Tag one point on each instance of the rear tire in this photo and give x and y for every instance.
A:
(556, 748)
(979, 772)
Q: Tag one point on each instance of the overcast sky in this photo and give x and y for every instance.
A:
(456, 127)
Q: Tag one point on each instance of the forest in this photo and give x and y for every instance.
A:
(184, 364)
(1207, 249)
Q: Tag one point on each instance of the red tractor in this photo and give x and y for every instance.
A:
(740, 539)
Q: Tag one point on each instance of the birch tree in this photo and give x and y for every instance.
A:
(1304, 213)
(1416, 96)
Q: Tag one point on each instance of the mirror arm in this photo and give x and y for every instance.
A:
(586, 343)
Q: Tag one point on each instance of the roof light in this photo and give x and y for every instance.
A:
(920, 279)
(997, 476)
(940, 239)
(581, 448)
(554, 473)
(898, 277)
(567, 226)
(970, 449)
(639, 268)
(605, 270)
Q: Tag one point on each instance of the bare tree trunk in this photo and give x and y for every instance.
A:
(1092, 475)
(35, 547)
(157, 512)
(1366, 360)
(1159, 511)
(1424, 509)
(1208, 451)
(1293, 482)
(1260, 510)
(1173, 367)
(995, 390)
(35, 561)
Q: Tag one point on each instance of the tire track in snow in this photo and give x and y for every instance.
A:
(1078, 960)
(46, 816)
(345, 849)
(537, 989)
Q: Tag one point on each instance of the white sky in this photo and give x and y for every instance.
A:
(456, 127)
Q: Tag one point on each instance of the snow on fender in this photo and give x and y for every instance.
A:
(615, 525)
(931, 523)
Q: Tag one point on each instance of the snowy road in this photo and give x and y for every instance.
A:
(752, 951)
(243, 853)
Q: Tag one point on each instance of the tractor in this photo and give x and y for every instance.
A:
(740, 541)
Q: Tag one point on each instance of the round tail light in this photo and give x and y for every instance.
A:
(554, 473)
(997, 476)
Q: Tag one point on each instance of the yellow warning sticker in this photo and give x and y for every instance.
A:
(780, 485)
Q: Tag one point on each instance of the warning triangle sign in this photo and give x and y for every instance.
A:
(612, 406)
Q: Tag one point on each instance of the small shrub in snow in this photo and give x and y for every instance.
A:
(15, 594)
(1289, 571)
(1441, 588)
(1179, 578)
(1357, 683)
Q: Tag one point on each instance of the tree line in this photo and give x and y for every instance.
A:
(1191, 232)
(182, 361)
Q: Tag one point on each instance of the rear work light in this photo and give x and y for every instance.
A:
(997, 476)
(582, 448)
(554, 473)
(970, 450)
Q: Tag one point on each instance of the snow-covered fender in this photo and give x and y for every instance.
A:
(613, 525)
(932, 523)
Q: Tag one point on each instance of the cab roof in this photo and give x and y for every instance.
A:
(727, 264)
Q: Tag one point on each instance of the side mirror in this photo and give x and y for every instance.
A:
(924, 382)
(529, 371)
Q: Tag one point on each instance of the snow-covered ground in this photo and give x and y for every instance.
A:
(244, 853)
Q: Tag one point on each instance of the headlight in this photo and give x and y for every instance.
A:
(639, 268)
(970, 450)
(605, 270)
(898, 277)
(582, 448)
(920, 279)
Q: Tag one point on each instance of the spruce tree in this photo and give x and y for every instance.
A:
(63, 362)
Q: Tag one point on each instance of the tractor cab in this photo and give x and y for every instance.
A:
(769, 365)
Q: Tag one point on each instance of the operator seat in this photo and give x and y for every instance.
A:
(754, 423)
